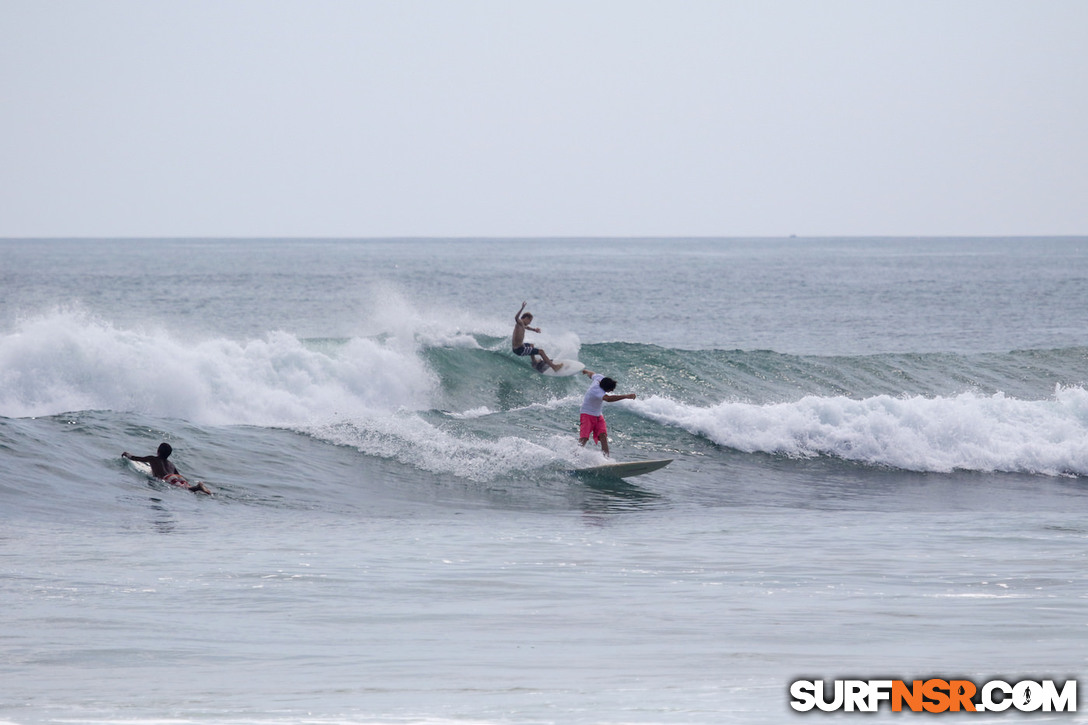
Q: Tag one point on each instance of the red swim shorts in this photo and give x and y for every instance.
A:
(592, 424)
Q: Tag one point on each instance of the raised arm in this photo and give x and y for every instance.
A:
(519, 323)
(615, 398)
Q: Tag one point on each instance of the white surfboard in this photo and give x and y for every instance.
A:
(180, 481)
(566, 369)
(624, 470)
(140, 466)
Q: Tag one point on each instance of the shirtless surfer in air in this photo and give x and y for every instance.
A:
(522, 348)
(165, 470)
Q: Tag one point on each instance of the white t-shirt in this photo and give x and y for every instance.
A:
(593, 403)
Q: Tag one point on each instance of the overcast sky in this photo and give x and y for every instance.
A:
(524, 118)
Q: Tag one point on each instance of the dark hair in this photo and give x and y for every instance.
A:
(527, 314)
(165, 450)
(608, 385)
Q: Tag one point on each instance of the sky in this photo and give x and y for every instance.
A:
(519, 118)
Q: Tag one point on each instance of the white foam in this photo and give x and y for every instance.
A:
(964, 432)
(396, 317)
(68, 361)
(482, 412)
(411, 440)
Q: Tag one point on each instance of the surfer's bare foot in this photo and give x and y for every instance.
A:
(556, 366)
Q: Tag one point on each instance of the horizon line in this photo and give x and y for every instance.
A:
(649, 237)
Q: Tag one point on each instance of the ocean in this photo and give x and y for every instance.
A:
(881, 472)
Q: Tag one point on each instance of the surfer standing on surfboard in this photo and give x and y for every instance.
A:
(522, 348)
(166, 470)
(590, 419)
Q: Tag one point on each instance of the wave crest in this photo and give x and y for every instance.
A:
(68, 362)
(933, 434)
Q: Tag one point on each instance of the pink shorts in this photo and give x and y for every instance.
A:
(175, 479)
(592, 424)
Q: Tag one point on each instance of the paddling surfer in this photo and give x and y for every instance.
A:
(590, 418)
(165, 470)
(521, 348)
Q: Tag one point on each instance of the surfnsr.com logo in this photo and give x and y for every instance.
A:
(933, 695)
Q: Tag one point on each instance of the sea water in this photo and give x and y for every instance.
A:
(881, 471)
